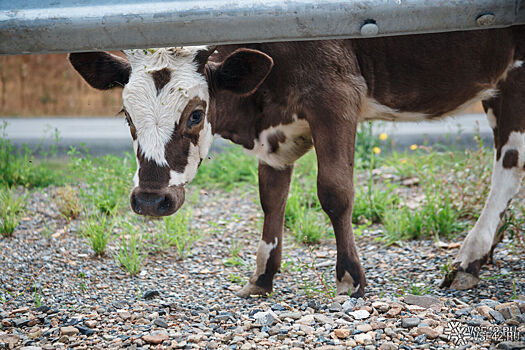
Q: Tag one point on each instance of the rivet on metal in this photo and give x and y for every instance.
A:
(369, 29)
(486, 19)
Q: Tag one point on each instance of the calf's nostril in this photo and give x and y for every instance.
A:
(135, 205)
(165, 204)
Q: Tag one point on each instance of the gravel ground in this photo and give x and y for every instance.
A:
(55, 294)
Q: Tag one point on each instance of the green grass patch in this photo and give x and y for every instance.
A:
(11, 207)
(97, 230)
(175, 231)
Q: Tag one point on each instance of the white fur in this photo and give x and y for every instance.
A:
(346, 285)
(263, 254)
(374, 110)
(516, 64)
(297, 131)
(136, 176)
(491, 117)
(505, 184)
(155, 116)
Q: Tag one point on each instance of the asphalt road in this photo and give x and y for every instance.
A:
(111, 135)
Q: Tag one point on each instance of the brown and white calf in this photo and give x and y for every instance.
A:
(278, 100)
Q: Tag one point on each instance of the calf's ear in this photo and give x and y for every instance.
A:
(243, 71)
(101, 70)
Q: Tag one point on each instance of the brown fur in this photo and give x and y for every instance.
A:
(161, 78)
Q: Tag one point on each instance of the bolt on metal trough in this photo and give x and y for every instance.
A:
(43, 26)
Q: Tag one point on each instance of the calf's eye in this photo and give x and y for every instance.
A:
(195, 118)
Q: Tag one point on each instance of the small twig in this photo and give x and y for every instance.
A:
(319, 276)
(27, 288)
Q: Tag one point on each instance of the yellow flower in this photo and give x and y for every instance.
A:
(377, 150)
(403, 161)
(383, 136)
(413, 147)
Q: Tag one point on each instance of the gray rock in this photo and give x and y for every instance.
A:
(410, 322)
(349, 304)
(31, 348)
(420, 339)
(425, 301)
(359, 314)
(335, 307)
(264, 318)
(290, 314)
(511, 345)
(497, 316)
(20, 322)
(160, 322)
(463, 312)
(489, 302)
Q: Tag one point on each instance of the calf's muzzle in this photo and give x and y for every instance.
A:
(157, 202)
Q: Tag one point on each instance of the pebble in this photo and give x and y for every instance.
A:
(150, 294)
(155, 337)
(341, 333)
(265, 318)
(360, 314)
(497, 316)
(409, 322)
(69, 330)
(160, 322)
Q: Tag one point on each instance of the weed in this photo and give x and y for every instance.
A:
(11, 207)
(234, 278)
(68, 202)
(175, 231)
(37, 297)
(97, 230)
(130, 255)
(234, 259)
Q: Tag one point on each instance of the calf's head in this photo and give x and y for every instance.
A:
(166, 101)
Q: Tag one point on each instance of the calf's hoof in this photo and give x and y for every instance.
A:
(459, 280)
(347, 286)
(251, 289)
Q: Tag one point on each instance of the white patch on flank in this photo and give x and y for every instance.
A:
(373, 110)
(155, 116)
(136, 176)
(505, 184)
(263, 254)
(298, 137)
(491, 117)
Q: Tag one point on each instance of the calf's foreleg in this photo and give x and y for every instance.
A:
(274, 185)
(334, 142)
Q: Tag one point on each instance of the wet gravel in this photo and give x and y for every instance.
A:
(56, 295)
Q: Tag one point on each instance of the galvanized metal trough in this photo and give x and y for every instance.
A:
(43, 26)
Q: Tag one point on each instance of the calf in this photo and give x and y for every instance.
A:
(278, 100)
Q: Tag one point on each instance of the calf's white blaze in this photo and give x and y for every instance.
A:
(505, 184)
(156, 114)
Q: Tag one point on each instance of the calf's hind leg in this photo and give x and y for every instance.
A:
(506, 114)
(273, 191)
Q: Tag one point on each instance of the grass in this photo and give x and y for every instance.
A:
(11, 206)
(175, 231)
(97, 230)
(130, 255)
(68, 203)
